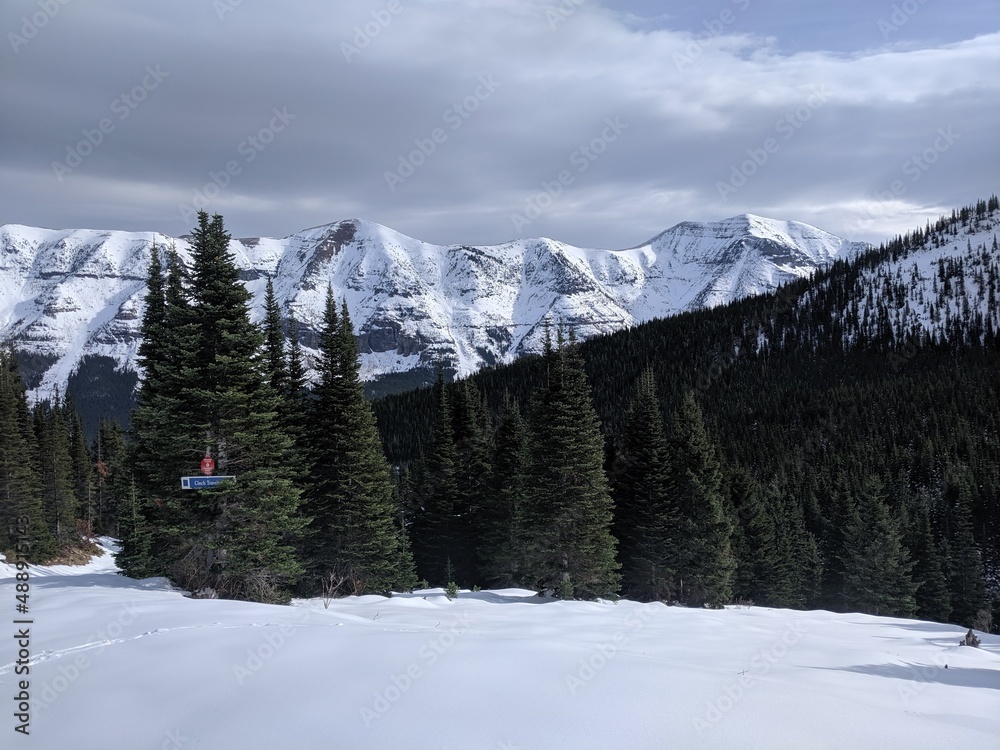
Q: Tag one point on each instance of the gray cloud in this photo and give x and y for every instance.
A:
(477, 108)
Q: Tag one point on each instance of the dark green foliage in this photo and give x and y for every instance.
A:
(647, 513)
(20, 489)
(82, 467)
(755, 539)
(878, 579)
(205, 391)
(59, 499)
(965, 566)
(353, 533)
(569, 509)
(436, 529)
(472, 431)
(503, 505)
(275, 365)
(133, 557)
(933, 597)
(112, 476)
(700, 542)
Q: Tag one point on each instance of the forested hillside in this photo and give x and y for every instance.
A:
(857, 407)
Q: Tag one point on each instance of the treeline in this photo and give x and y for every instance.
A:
(857, 475)
(55, 490)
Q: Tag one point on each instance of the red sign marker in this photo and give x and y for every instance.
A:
(207, 465)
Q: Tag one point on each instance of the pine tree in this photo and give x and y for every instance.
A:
(755, 543)
(296, 390)
(932, 597)
(56, 463)
(434, 522)
(878, 580)
(20, 492)
(82, 466)
(111, 479)
(645, 514)
(502, 546)
(471, 428)
(133, 557)
(965, 566)
(353, 532)
(570, 547)
(205, 391)
(704, 557)
(274, 342)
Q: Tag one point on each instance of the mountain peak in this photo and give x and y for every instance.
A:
(70, 294)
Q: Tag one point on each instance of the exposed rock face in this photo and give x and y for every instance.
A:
(69, 294)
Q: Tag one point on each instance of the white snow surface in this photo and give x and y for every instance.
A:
(120, 663)
(68, 294)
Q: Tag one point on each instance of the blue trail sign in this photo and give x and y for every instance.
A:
(201, 483)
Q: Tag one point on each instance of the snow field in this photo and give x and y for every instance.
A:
(118, 663)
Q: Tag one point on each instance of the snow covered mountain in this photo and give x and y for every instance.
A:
(67, 295)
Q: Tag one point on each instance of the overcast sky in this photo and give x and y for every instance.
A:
(478, 121)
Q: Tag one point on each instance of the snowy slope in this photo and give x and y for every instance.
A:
(119, 663)
(67, 294)
(947, 289)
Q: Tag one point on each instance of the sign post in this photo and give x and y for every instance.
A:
(202, 483)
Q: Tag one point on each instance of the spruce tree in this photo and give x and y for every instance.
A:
(702, 543)
(353, 533)
(932, 597)
(471, 428)
(755, 544)
(82, 466)
(569, 548)
(56, 466)
(112, 478)
(645, 515)
(133, 556)
(502, 524)
(878, 579)
(20, 491)
(965, 566)
(274, 341)
(434, 522)
(205, 392)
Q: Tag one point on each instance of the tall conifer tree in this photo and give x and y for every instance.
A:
(702, 542)
(570, 548)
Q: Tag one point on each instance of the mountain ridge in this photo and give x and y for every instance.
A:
(68, 294)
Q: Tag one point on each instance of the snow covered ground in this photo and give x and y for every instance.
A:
(124, 664)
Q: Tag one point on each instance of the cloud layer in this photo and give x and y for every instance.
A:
(476, 121)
